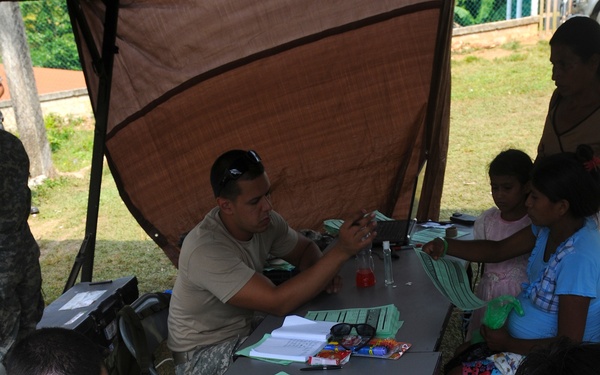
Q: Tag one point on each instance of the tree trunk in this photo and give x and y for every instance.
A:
(21, 83)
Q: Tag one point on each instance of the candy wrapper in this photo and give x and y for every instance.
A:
(330, 357)
(376, 348)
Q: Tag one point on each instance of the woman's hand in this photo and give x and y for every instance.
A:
(434, 248)
(496, 339)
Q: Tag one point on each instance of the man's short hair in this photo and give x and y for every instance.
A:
(55, 351)
(232, 166)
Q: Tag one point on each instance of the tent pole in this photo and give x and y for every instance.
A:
(103, 65)
(437, 121)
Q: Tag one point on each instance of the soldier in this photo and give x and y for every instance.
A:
(220, 284)
(21, 301)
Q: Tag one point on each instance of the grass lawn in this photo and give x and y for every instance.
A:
(497, 103)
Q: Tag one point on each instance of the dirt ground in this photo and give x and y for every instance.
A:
(489, 49)
(49, 80)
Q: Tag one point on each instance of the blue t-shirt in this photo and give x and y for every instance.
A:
(575, 272)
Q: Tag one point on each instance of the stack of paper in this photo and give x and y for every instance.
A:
(387, 320)
(332, 226)
(296, 340)
(450, 278)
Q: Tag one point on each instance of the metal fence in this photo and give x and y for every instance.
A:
(475, 12)
(551, 12)
(49, 34)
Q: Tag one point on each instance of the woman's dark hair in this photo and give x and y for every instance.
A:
(562, 357)
(566, 176)
(581, 34)
(512, 163)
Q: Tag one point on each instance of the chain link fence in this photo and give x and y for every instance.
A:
(551, 12)
(476, 12)
(49, 34)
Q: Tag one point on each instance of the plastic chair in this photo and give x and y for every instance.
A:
(143, 327)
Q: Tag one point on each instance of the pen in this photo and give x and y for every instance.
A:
(317, 368)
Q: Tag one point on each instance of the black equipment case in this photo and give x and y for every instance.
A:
(91, 308)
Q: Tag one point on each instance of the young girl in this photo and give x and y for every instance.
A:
(509, 180)
(561, 297)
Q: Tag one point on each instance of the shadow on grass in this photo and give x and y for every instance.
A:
(112, 259)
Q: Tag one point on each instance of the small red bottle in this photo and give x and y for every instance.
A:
(365, 276)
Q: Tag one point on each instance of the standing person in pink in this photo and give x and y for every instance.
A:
(509, 179)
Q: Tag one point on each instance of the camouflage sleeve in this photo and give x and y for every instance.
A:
(15, 196)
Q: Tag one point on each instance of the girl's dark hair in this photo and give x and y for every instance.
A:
(512, 163)
(581, 34)
(564, 176)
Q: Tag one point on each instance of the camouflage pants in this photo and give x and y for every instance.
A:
(215, 359)
(21, 301)
(209, 360)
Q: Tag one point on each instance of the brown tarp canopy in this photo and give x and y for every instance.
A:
(343, 100)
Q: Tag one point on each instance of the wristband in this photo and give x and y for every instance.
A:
(445, 246)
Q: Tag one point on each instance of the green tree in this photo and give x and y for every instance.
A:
(50, 35)
(474, 12)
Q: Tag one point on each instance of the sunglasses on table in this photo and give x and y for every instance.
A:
(342, 334)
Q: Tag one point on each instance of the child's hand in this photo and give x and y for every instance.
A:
(434, 248)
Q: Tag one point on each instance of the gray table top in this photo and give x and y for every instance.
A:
(409, 364)
(423, 309)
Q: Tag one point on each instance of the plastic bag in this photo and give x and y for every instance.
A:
(497, 312)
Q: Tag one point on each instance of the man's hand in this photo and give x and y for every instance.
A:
(357, 233)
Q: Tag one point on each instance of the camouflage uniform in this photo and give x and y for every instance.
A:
(215, 359)
(21, 301)
(209, 360)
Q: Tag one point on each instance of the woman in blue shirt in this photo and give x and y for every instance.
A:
(560, 299)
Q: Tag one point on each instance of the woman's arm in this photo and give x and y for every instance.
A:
(572, 316)
(485, 251)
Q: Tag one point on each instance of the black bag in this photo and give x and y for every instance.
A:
(141, 344)
(120, 361)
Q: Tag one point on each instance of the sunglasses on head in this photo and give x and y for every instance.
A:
(342, 333)
(238, 167)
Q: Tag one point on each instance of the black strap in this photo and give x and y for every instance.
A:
(137, 336)
(134, 319)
